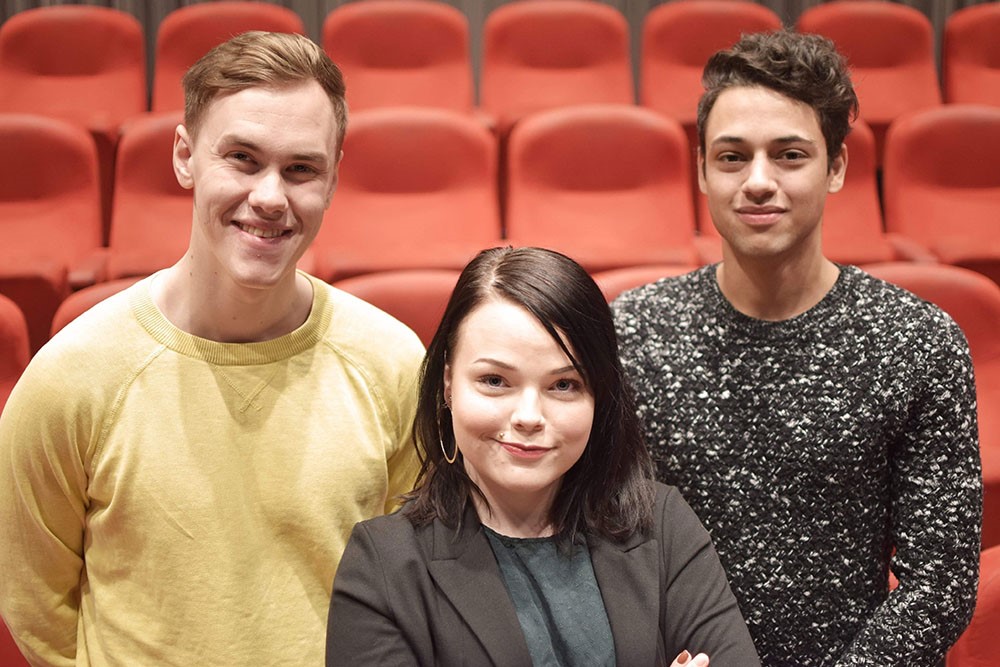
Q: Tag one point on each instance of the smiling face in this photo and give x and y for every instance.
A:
(766, 174)
(263, 167)
(508, 376)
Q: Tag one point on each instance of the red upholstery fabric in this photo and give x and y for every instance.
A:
(677, 40)
(608, 185)
(401, 52)
(50, 212)
(80, 63)
(418, 189)
(417, 298)
(10, 655)
(970, 55)
(890, 49)
(941, 183)
(541, 54)
(151, 216)
(14, 353)
(615, 281)
(189, 32)
(79, 302)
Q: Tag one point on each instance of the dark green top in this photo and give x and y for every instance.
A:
(557, 599)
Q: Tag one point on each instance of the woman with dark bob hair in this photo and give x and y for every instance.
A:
(534, 535)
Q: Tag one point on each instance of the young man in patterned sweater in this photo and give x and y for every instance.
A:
(822, 423)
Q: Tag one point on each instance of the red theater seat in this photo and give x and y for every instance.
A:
(541, 54)
(401, 52)
(677, 40)
(417, 298)
(151, 217)
(80, 63)
(79, 302)
(970, 56)
(14, 351)
(50, 214)
(608, 185)
(615, 281)
(187, 33)
(418, 189)
(941, 184)
(890, 49)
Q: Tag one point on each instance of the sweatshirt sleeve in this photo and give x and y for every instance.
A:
(937, 514)
(43, 504)
(403, 464)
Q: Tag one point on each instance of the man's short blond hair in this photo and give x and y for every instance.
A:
(261, 59)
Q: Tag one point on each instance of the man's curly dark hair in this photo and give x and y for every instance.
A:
(804, 67)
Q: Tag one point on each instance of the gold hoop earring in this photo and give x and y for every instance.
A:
(444, 452)
(454, 454)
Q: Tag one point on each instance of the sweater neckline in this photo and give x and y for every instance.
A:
(167, 334)
(772, 329)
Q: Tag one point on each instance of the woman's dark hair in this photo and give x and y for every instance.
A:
(607, 491)
(804, 67)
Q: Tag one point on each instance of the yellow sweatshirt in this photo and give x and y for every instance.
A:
(169, 500)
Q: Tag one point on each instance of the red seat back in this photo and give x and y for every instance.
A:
(608, 185)
(550, 53)
(50, 212)
(151, 216)
(941, 183)
(82, 63)
(890, 49)
(187, 33)
(418, 189)
(14, 354)
(401, 52)
(970, 55)
(677, 40)
(417, 298)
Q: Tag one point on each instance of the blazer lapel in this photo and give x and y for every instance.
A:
(466, 571)
(628, 576)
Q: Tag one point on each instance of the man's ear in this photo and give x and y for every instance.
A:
(701, 172)
(838, 170)
(335, 179)
(183, 149)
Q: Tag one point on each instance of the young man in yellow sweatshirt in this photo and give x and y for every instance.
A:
(181, 467)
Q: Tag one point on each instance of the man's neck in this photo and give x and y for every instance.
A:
(775, 290)
(227, 313)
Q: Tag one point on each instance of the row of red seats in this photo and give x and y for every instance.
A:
(417, 52)
(608, 184)
(88, 63)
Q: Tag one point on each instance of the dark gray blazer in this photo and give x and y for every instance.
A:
(431, 596)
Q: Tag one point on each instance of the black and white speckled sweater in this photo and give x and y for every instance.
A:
(813, 447)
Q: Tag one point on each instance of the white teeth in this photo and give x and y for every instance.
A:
(262, 233)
